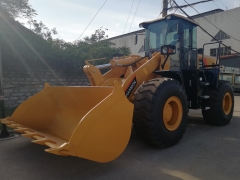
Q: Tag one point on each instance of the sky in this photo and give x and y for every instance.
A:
(71, 17)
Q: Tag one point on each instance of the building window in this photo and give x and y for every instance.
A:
(223, 51)
(213, 52)
(221, 35)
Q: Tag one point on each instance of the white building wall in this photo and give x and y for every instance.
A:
(228, 21)
(128, 40)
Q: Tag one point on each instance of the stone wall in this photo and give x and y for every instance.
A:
(20, 84)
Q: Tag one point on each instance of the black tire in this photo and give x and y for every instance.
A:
(148, 112)
(216, 115)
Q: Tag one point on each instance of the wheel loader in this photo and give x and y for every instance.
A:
(152, 94)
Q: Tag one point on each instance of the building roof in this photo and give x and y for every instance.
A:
(207, 13)
(127, 34)
(194, 17)
(230, 56)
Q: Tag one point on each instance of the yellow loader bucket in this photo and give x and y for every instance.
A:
(89, 122)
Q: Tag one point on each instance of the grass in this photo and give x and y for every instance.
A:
(8, 112)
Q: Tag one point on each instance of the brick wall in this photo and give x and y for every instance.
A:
(20, 82)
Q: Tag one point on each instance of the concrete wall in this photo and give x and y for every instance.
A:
(20, 83)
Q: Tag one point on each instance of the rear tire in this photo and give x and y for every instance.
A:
(160, 112)
(221, 105)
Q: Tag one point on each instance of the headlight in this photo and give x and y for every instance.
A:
(164, 50)
(168, 49)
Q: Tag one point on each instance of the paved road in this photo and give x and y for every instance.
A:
(205, 152)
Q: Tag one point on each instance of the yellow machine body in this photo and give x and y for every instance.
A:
(88, 122)
(91, 122)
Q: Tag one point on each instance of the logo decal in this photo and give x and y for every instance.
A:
(145, 71)
(131, 86)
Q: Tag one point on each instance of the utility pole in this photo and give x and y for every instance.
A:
(165, 8)
(4, 132)
(188, 5)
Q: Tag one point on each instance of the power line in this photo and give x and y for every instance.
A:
(202, 27)
(134, 14)
(213, 24)
(222, 3)
(215, 4)
(92, 19)
(159, 14)
(185, 6)
(171, 4)
(128, 16)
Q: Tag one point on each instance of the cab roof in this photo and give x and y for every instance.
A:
(169, 16)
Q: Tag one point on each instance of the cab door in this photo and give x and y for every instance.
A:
(188, 57)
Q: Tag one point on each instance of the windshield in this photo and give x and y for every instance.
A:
(161, 33)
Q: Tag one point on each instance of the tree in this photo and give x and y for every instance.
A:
(73, 55)
(23, 10)
(29, 47)
(90, 47)
(18, 8)
(99, 35)
(42, 30)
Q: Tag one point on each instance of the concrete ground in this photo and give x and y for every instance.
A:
(205, 152)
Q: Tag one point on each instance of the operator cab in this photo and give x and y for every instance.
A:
(174, 36)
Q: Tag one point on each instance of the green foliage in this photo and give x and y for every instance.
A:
(42, 30)
(20, 44)
(96, 37)
(21, 9)
(18, 8)
(95, 46)
(30, 50)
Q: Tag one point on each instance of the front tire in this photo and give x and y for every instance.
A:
(160, 112)
(221, 105)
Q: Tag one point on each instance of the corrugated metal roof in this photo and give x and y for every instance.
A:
(207, 13)
(123, 35)
(230, 56)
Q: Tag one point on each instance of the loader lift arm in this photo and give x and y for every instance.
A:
(134, 69)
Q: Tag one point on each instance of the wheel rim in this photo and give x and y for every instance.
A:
(227, 103)
(172, 113)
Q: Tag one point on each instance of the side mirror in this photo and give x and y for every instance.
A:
(168, 50)
(136, 39)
